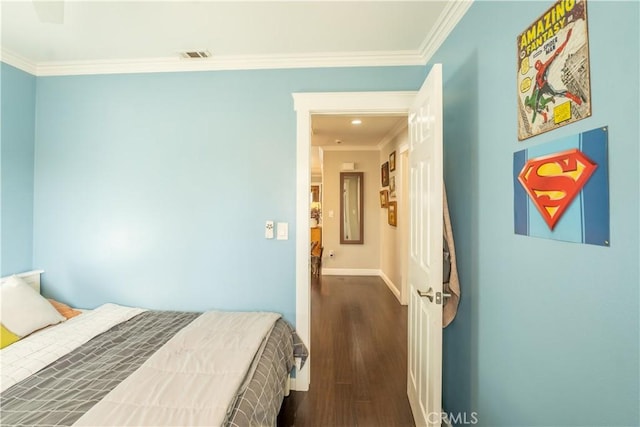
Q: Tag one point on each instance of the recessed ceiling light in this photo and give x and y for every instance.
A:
(356, 122)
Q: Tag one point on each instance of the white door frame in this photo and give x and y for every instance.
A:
(306, 104)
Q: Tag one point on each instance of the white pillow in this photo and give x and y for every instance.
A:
(23, 310)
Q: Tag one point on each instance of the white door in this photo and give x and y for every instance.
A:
(424, 385)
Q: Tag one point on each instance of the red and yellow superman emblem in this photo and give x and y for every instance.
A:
(553, 181)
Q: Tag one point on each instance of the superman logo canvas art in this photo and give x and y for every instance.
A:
(561, 189)
(552, 182)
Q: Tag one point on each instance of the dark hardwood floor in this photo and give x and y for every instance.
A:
(358, 357)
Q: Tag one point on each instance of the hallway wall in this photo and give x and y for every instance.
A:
(353, 257)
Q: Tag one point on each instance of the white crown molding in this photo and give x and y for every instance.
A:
(17, 61)
(244, 62)
(448, 19)
(393, 132)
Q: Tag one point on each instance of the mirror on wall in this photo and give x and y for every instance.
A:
(351, 212)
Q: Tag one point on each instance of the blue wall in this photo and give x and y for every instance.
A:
(16, 173)
(548, 332)
(153, 189)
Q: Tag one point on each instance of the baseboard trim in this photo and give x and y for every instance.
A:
(364, 272)
(350, 272)
(297, 385)
(303, 383)
(392, 287)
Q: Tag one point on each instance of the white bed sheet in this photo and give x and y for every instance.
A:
(36, 351)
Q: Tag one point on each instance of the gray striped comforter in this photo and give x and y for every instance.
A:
(61, 393)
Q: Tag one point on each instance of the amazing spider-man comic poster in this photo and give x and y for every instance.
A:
(553, 70)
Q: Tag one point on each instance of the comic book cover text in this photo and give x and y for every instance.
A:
(553, 70)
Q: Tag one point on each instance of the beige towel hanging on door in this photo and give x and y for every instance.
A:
(453, 285)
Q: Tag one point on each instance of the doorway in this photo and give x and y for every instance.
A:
(306, 104)
(359, 241)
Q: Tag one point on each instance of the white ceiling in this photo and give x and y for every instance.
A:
(69, 37)
(371, 134)
(141, 36)
(335, 131)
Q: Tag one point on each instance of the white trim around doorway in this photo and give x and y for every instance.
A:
(306, 104)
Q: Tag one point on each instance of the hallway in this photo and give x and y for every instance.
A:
(359, 357)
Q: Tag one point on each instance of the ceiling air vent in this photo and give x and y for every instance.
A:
(196, 54)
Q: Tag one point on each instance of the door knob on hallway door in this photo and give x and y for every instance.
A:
(428, 293)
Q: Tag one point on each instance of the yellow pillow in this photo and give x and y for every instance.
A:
(7, 337)
(64, 309)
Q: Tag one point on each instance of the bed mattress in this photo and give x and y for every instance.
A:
(61, 393)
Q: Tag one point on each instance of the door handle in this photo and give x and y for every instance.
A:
(446, 295)
(428, 293)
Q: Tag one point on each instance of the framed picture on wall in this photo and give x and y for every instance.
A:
(384, 198)
(392, 213)
(392, 186)
(384, 174)
(392, 161)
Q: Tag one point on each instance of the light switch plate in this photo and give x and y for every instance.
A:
(268, 230)
(283, 231)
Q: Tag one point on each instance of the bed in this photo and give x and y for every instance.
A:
(119, 365)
